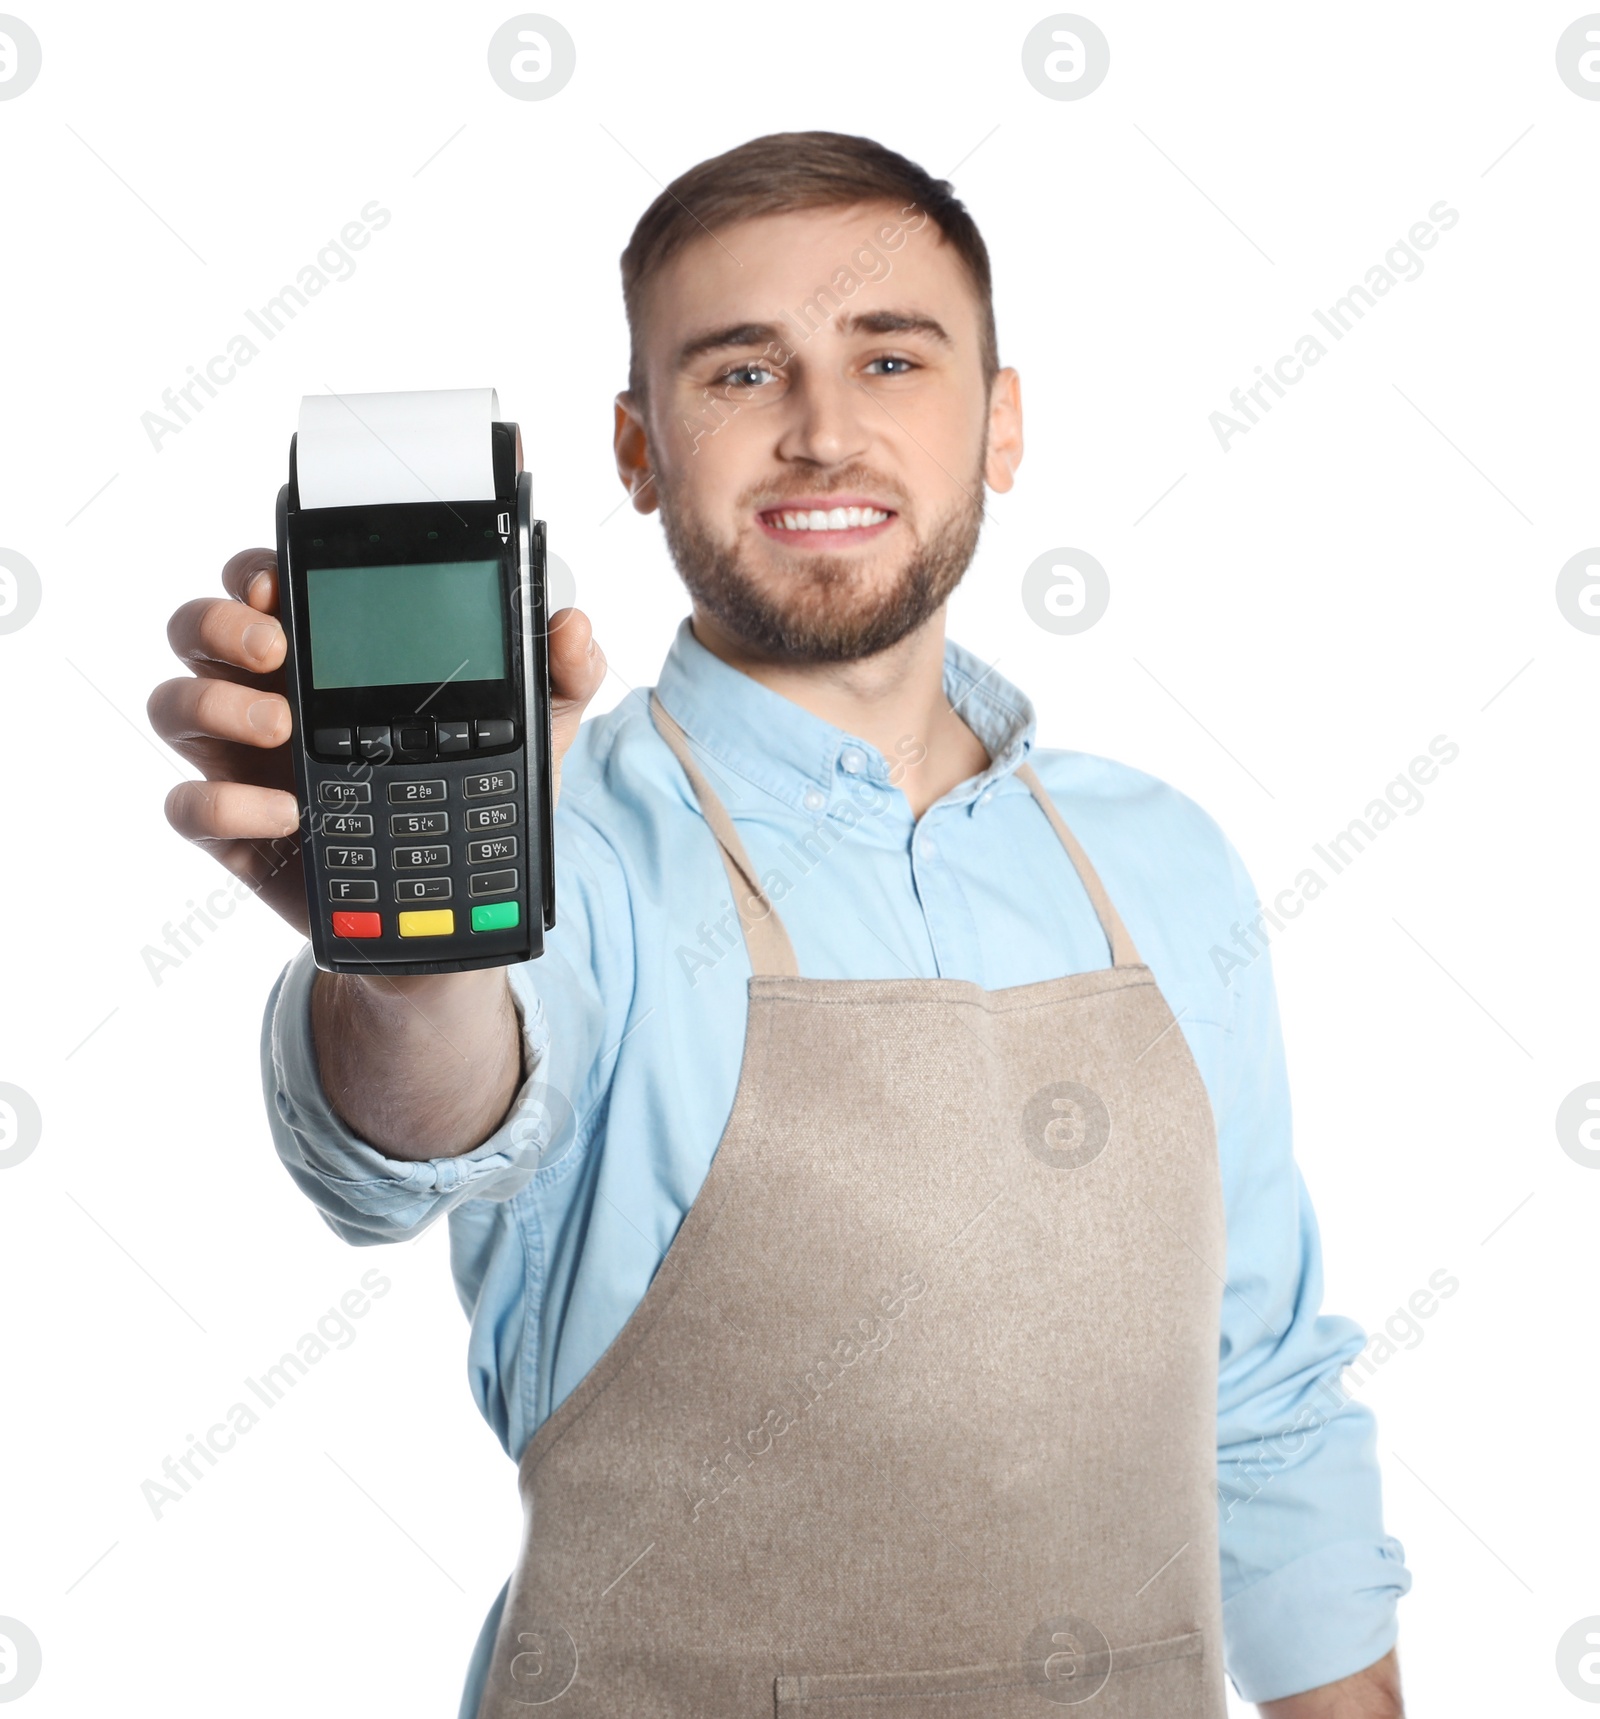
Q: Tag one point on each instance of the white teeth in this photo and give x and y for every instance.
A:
(835, 519)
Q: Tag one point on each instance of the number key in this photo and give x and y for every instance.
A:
(422, 889)
(420, 858)
(410, 793)
(491, 817)
(345, 823)
(418, 823)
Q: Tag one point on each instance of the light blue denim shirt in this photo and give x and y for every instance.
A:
(635, 1013)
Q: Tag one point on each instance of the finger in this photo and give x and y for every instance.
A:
(270, 869)
(231, 811)
(209, 633)
(577, 664)
(223, 761)
(196, 709)
(252, 577)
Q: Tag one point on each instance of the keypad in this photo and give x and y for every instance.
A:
(415, 871)
(407, 859)
(415, 793)
(491, 817)
(417, 824)
(350, 859)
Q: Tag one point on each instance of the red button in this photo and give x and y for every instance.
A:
(358, 925)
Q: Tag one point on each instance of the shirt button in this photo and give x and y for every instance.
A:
(853, 759)
(814, 800)
(986, 796)
(927, 847)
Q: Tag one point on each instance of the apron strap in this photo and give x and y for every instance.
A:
(1123, 952)
(764, 935)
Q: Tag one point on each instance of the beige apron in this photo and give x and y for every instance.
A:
(918, 1414)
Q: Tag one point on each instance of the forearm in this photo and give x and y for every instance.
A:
(1370, 1694)
(419, 1067)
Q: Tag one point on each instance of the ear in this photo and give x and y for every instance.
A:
(631, 444)
(1005, 431)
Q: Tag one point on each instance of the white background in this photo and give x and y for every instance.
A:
(1369, 567)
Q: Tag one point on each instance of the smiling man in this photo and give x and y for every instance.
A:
(883, 1246)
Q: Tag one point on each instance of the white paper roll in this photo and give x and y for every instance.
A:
(362, 450)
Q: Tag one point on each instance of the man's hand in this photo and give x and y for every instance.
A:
(230, 718)
(1370, 1694)
(388, 1047)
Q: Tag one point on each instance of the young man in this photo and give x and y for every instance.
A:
(884, 1250)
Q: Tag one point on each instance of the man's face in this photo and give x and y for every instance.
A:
(798, 364)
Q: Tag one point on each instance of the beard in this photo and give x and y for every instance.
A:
(822, 608)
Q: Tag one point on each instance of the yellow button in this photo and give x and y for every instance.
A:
(435, 922)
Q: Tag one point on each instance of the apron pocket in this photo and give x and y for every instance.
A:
(1150, 1680)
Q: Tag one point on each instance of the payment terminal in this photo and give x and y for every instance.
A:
(412, 589)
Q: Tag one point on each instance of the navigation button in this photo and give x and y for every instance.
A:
(375, 744)
(493, 733)
(334, 742)
(454, 737)
(414, 740)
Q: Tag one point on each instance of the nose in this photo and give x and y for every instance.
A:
(827, 420)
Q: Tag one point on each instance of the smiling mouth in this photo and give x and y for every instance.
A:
(825, 528)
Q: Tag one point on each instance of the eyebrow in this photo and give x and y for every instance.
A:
(741, 334)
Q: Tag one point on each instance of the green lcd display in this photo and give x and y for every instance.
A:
(423, 623)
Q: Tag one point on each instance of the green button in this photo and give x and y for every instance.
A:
(497, 916)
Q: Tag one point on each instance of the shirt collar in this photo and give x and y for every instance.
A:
(795, 756)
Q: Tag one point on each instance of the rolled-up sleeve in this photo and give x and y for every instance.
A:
(365, 1196)
(581, 981)
(1310, 1581)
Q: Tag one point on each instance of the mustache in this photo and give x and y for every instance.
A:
(856, 481)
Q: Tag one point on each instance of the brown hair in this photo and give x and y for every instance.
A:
(788, 171)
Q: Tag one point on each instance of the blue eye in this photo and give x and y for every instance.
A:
(728, 376)
(906, 361)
